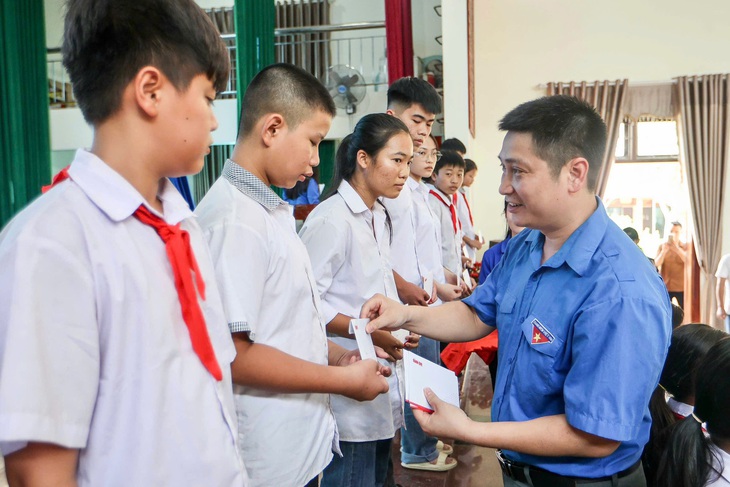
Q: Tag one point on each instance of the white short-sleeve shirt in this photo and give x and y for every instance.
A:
(349, 248)
(462, 211)
(403, 249)
(723, 271)
(450, 240)
(94, 352)
(266, 280)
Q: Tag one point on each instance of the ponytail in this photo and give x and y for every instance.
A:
(684, 462)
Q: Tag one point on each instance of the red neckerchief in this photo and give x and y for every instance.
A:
(452, 208)
(181, 257)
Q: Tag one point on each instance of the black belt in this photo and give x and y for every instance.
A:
(542, 478)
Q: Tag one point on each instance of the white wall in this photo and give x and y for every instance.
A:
(520, 44)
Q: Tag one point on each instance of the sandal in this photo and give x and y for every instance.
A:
(441, 446)
(439, 466)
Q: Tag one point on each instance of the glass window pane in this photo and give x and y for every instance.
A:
(621, 142)
(657, 139)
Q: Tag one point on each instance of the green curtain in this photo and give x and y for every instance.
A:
(327, 151)
(25, 149)
(255, 21)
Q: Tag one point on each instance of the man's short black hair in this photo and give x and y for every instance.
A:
(449, 158)
(107, 42)
(408, 91)
(453, 144)
(287, 90)
(562, 128)
(632, 233)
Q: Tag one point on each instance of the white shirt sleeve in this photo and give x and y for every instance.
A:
(49, 341)
(241, 261)
(723, 268)
(327, 247)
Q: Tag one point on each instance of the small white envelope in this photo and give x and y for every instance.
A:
(364, 340)
(421, 373)
(428, 284)
(466, 277)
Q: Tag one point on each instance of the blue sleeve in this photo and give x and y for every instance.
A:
(609, 397)
(483, 300)
(313, 192)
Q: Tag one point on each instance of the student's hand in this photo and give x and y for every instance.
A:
(465, 290)
(721, 313)
(390, 344)
(446, 421)
(448, 292)
(411, 294)
(383, 313)
(466, 263)
(412, 341)
(365, 380)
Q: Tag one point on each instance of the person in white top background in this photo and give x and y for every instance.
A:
(472, 242)
(722, 293)
(692, 458)
(114, 354)
(286, 427)
(348, 239)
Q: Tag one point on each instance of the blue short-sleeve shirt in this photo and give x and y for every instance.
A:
(585, 334)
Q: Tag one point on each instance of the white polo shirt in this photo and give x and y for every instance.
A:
(349, 248)
(450, 240)
(268, 290)
(94, 352)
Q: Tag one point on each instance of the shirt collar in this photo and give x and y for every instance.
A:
(417, 186)
(251, 186)
(580, 247)
(352, 199)
(116, 197)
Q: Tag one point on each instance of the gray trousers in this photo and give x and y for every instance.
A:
(636, 479)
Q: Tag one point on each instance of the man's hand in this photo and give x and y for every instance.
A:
(365, 380)
(446, 421)
(383, 313)
(721, 314)
(390, 344)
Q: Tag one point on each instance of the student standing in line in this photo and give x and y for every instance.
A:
(463, 211)
(416, 253)
(114, 355)
(348, 239)
(287, 431)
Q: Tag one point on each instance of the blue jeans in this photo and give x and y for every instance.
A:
(363, 464)
(415, 445)
(727, 324)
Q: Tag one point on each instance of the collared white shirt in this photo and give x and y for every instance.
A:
(349, 248)
(450, 240)
(403, 248)
(94, 352)
(268, 289)
(462, 212)
(723, 466)
(428, 231)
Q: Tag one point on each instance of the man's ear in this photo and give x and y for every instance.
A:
(390, 112)
(577, 174)
(272, 126)
(147, 87)
(362, 159)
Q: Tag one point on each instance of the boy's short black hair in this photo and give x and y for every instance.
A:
(287, 90)
(449, 158)
(469, 165)
(562, 128)
(107, 42)
(410, 91)
(454, 144)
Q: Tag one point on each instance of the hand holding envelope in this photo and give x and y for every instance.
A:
(446, 421)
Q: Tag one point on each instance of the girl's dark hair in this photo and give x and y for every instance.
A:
(508, 233)
(371, 134)
(689, 345)
(688, 458)
(469, 165)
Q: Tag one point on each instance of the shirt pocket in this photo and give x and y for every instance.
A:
(537, 358)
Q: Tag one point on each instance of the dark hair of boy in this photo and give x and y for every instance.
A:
(287, 90)
(454, 144)
(371, 135)
(688, 456)
(408, 91)
(562, 128)
(449, 158)
(690, 343)
(469, 165)
(632, 234)
(107, 42)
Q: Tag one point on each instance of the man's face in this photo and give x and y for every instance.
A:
(676, 231)
(418, 121)
(535, 198)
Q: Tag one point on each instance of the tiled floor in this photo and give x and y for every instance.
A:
(478, 466)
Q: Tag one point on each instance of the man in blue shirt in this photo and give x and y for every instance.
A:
(584, 321)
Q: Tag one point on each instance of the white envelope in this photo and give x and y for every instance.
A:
(421, 373)
(363, 338)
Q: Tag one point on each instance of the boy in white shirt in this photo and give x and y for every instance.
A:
(447, 178)
(283, 380)
(463, 211)
(114, 356)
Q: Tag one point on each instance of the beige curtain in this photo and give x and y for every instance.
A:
(608, 99)
(703, 123)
